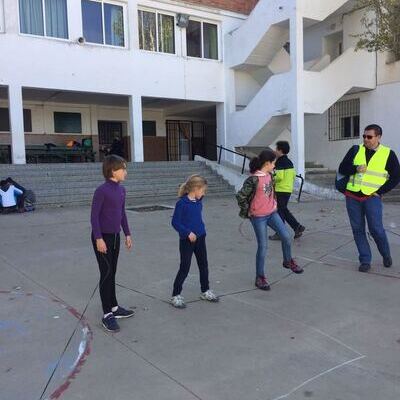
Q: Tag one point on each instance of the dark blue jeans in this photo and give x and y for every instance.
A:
(370, 210)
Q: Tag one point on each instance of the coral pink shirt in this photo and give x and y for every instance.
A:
(264, 202)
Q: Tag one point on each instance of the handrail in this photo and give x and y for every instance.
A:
(245, 157)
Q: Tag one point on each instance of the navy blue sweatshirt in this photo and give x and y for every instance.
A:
(187, 217)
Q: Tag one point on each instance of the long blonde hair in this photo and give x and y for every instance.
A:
(193, 182)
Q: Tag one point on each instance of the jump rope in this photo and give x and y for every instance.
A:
(98, 286)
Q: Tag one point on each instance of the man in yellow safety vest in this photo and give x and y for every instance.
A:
(373, 170)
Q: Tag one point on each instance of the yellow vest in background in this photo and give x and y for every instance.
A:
(375, 175)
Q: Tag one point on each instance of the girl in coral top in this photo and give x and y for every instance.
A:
(257, 201)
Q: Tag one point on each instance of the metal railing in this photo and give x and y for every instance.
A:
(245, 157)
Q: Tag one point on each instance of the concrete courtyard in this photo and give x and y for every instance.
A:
(331, 333)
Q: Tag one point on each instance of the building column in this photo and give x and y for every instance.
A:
(136, 128)
(221, 127)
(297, 98)
(15, 106)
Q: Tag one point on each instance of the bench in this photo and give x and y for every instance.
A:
(42, 153)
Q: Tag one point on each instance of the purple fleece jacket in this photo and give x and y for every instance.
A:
(108, 210)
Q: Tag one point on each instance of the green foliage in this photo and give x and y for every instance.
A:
(381, 21)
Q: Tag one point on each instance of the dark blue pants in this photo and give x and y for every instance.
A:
(186, 249)
(370, 210)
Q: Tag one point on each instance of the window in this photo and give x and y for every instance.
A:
(202, 40)
(156, 32)
(344, 120)
(103, 23)
(66, 122)
(210, 40)
(149, 128)
(1, 16)
(5, 120)
(44, 18)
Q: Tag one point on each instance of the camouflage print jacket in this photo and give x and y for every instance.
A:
(245, 195)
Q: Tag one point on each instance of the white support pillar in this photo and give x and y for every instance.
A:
(16, 108)
(136, 128)
(221, 127)
(297, 103)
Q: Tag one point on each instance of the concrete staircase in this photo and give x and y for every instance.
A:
(324, 178)
(147, 183)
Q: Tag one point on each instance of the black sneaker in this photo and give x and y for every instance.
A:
(123, 313)
(110, 324)
(387, 262)
(299, 231)
(364, 267)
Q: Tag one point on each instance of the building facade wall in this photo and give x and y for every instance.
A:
(241, 6)
(376, 106)
(67, 65)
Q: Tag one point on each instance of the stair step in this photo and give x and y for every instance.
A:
(96, 181)
(310, 164)
(146, 198)
(137, 190)
(316, 171)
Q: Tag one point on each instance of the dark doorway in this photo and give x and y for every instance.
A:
(108, 130)
(185, 139)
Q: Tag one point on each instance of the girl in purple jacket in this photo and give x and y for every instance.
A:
(107, 217)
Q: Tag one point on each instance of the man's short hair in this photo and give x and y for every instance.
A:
(112, 163)
(374, 127)
(283, 146)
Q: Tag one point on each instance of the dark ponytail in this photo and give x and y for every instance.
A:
(256, 163)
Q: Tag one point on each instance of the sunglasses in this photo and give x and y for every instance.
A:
(369, 137)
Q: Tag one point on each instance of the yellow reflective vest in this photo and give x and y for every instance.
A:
(375, 175)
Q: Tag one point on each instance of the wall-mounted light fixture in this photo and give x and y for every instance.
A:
(182, 20)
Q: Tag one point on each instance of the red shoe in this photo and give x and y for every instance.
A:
(262, 283)
(293, 266)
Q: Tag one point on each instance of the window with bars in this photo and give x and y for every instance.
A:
(344, 120)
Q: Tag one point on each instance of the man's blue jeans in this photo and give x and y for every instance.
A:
(370, 210)
(260, 225)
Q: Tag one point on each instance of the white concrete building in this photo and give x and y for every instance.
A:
(173, 79)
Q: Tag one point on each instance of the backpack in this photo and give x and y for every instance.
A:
(29, 200)
(245, 195)
(341, 182)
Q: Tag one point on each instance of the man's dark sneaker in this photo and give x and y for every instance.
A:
(364, 267)
(123, 313)
(387, 262)
(299, 231)
(262, 283)
(110, 324)
(274, 237)
(293, 266)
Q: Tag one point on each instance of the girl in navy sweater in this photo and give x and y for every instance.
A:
(188, 222)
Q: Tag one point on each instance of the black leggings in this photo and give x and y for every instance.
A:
(186, 249)
(283, 200)
(108, 268)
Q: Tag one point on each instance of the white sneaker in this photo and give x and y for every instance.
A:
(178, 301)
(209, 296)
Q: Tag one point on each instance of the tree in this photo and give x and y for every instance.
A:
(381, 21)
